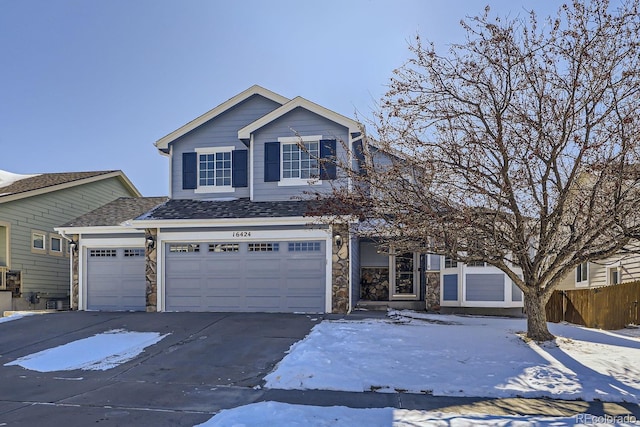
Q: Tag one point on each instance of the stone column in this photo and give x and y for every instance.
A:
(433, 290)
(151, 263)
(340, 269)
(75, 276)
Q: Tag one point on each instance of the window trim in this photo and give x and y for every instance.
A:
(294, 140)
(584, 282)
(53, 252)
(617, 268)
(43, 249)
(214, 188)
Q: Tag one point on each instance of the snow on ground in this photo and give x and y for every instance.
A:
(451, 355)
(269, 414)
(15, 316)
(97, 353)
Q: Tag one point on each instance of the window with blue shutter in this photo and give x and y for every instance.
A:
(328, 154)
(271, 161)
(239, 168)
(189, 171)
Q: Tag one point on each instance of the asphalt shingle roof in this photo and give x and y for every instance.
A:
(240, 208)
(117, 212)
(47, 180)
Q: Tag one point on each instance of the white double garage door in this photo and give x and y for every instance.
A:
(246, 276)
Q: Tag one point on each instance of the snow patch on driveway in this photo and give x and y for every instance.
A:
(97, 353)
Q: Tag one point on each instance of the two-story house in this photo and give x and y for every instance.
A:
(236, 233)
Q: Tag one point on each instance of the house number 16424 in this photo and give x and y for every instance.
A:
(241, 234)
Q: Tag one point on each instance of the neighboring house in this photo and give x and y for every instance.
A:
(34, 258)
(619, 268)
(236, 234)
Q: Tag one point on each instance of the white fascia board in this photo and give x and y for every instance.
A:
(225, 222)
(298, 101)
(97, 230)
(163, 143)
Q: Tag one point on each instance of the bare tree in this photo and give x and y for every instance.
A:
(518, 148)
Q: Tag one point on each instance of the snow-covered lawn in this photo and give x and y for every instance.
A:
(99, 352)
(450, 355)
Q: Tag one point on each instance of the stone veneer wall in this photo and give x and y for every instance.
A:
(432, 291)
(151, 263)
(75, 276)
(340, 270)
(374, 283)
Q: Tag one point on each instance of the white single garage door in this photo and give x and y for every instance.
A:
(279, 276)
(116, 279)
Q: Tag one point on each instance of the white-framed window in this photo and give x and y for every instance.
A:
(582, 274)
(614, 275)
(299, 166)
(450, 262)
(38, 241)
(214, 170)
(55, 245)
(476, 264)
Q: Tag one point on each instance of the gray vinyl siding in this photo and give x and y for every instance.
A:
(44, 273)
(484, 287)
(221, 131)
(297, 122)
(370, 256)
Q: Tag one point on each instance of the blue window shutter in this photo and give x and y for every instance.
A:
(328, 152)
(239, 168)
(271, 161)
(189, 171)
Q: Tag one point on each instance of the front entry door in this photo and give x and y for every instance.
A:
(404, 278)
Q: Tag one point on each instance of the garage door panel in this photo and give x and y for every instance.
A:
(265, 277)
(115, 279)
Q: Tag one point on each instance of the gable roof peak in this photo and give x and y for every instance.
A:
(163, 143)
(301, 102)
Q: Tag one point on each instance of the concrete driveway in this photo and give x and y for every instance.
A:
(210, 361)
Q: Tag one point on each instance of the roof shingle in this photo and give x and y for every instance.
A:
(240, 208)
(47, 180)
(116, 212)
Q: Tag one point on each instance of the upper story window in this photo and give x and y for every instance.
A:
(300, 165)
(582, 274)
(214, 169)
(300, 160)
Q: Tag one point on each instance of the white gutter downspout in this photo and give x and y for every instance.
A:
(70, 240)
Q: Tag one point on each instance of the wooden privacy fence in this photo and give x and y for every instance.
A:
(608, 307)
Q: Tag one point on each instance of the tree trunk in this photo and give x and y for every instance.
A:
(537, 330)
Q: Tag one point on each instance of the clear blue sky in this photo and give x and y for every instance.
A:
(91, 85)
